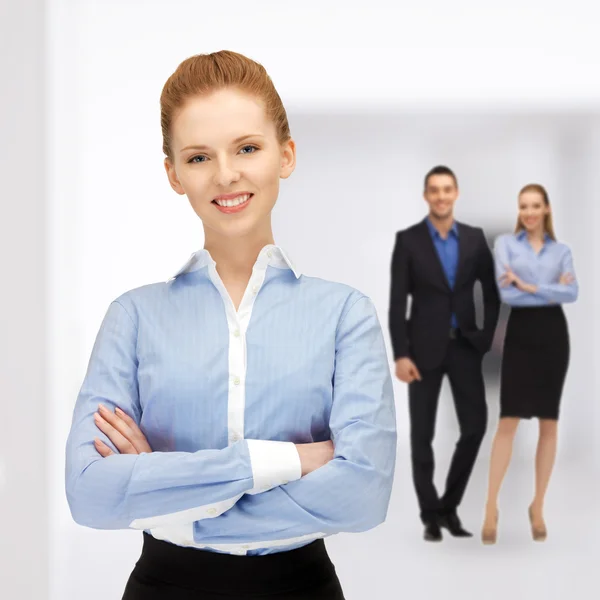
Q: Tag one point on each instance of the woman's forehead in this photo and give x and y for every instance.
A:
(223, 115)
(531, 196)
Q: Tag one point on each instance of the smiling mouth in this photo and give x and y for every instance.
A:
(233, 202)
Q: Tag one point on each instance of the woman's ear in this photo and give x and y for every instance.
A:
(288, 159)
(172, 175)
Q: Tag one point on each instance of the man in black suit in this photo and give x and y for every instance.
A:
(437, 263)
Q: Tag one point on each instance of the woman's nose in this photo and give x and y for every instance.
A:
(226, 174)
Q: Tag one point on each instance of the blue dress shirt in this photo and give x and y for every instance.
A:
(542, 270)
(447, 250)
(222, 396)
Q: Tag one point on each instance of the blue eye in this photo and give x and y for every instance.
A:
(193, 159)
(250, 148)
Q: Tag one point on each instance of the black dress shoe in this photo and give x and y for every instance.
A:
(432, 533)
(452, 523)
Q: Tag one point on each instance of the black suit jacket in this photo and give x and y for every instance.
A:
(418, 272)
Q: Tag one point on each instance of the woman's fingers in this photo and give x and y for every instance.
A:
(122, 431)
(102, 448)
(109, 425)
(138, 439)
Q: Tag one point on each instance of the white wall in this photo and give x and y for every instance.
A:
(24, 399)
(112, 222)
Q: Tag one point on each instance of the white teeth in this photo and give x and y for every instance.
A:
(234, 202)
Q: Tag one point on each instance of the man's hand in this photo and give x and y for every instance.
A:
(407, 371)
(315, 455)
(121, 430)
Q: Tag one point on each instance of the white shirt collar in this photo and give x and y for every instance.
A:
(270, 255)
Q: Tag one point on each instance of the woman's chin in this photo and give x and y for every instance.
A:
(241, 228)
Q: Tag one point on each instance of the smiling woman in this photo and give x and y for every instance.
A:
(226, 140)
(209, 411)
(535, 275)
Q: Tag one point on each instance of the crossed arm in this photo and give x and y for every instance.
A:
(516, 292)
(118, 482)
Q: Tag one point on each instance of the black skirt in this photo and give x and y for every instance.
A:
(169, 572)
(534, 362)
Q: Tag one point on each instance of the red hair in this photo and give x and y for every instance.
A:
(206, 73)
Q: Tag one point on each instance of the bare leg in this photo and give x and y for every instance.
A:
(500, 458)
(544, 463)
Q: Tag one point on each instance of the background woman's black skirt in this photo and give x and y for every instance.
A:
(169, 572)
(534, 362)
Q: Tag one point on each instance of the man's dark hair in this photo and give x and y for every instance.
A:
(440, 170)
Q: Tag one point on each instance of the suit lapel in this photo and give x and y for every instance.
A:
(432, 255)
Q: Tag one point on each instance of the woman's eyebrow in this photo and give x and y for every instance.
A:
(236, 141)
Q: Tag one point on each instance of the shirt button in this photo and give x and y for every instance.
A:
(254, 289)
(284, 482)
(236, 333)
(235, 437)
(269, 254)
(212, 511)
(236, 381)
(246, 546)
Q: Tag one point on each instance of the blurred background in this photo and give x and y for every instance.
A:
(503, 99)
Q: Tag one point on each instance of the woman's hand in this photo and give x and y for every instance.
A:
(127, 437)
(121, 430)
(314, 455)
(510, 278)
(526, 287)
(566, 279)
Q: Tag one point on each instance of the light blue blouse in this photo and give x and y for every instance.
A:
(222, 397)
(542, 269)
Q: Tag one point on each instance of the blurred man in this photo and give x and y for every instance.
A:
(437, 262)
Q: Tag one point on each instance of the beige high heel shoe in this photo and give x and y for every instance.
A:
(539, 534)
(490, 535)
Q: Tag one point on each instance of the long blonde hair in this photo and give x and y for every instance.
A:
(548, 223)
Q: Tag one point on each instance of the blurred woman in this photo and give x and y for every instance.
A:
(535, 275)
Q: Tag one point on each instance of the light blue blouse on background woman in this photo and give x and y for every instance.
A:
(543, 270)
